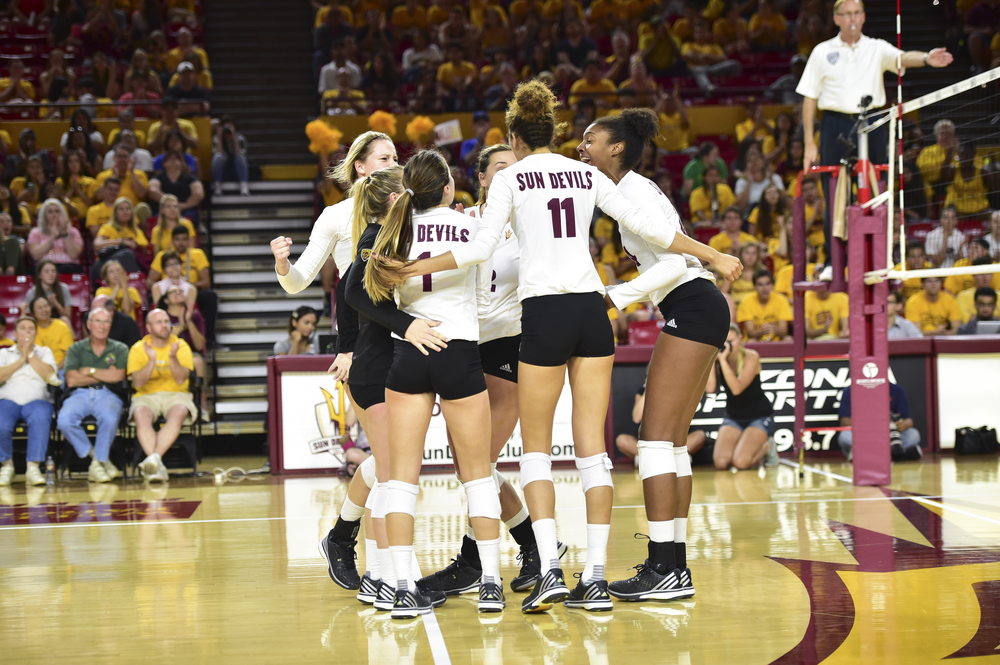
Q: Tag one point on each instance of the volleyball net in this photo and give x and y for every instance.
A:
(944, 151)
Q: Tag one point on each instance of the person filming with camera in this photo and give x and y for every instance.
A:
(744, 437)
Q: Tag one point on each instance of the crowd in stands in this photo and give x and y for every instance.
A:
(99, 233)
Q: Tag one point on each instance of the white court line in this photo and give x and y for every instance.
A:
(813, 469)
(942, 506)
(439, 650)
(629, 507)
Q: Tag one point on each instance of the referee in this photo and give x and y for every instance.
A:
(839, 73)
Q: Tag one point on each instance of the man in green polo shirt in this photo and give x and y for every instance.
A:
(93, 366)
(694, 172)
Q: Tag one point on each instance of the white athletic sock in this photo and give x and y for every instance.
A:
(386, 567)
(662, 532)
(371, 559)
(548, 548)
(680, 529)
(518, 519)
(597, 551)
(402, 556)
(489, 555)
(350, 511)
(469, 532)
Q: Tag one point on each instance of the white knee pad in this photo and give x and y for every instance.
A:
(683, 461)
(483, 498)
(401, 497)
(595, 471)
(378, 497)
(498, 479)
(367, 470)
(535, 466)
(370, 501)
(655, 458)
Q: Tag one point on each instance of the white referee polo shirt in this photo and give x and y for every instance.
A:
(838, 75)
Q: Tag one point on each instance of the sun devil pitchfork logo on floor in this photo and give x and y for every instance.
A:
(331, 423)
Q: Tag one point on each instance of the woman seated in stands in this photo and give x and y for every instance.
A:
(55, 239)
(749, 255)
(28, 190)
(302, 339)
(170, 217)
(175, 142)
(174, 276)
(48, 286)
(74, 181)
(121, 240)
(176, 179)
(187, 323)
(11, 257)
(767, 218)
(53, 334)
(79, 141)
(745, 435)
(116, 286)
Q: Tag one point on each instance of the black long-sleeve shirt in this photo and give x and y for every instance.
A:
(374, 346)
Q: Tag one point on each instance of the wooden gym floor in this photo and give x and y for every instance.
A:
(786, 572)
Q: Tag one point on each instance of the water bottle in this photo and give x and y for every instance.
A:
(50, 471)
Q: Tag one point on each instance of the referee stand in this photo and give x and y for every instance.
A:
(869, 346)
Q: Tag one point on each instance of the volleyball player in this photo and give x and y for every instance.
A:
(564, 325)
(373, 349)
(420, 223)
(697, 322)
(331, 234)
(499, 341)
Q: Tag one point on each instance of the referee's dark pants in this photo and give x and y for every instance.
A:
(831, 151)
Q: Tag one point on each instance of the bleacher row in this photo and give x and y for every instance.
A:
(31, 45)
(14, 288)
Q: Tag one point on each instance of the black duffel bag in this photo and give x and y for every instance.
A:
(976, 441)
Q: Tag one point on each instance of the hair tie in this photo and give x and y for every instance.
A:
(408, 191)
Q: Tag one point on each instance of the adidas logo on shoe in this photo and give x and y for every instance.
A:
(506, 368)
(671, 324)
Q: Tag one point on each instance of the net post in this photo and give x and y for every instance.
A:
(799, 320)
(869, 347)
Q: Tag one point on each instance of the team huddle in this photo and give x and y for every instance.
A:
(488, 310)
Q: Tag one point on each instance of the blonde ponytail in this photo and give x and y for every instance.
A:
(371, 200)
(424, 178)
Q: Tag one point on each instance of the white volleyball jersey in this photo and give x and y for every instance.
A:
(502, 317)
(331, 234)
(660, 270)
(448, 296)
(550, 201)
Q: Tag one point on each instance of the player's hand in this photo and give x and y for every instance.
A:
(460, 207)
(728, 266)
(939, 57)
(341, 367)
(281, 248)
(421, 333)
(810, 157)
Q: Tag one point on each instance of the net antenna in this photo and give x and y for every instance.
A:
(969, 111)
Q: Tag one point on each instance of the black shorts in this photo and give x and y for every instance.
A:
(499, 357)
(697, 311)
(453, 373)
(367, 396)
(558, 327)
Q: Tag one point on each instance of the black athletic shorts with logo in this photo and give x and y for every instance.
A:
(454, 372)
(697, 311)
(499, 357)
(558, 327)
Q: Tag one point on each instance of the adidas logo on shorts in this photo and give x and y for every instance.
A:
(671, 324)
(506, 368)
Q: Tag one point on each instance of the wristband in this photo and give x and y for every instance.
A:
(926, 55)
